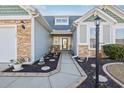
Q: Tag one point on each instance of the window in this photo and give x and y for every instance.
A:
(92, 38)
(119, 35)
(61, 21)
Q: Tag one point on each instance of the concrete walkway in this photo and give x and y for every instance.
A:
(68, 76)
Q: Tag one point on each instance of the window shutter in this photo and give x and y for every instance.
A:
(106, 34)
(83, 34)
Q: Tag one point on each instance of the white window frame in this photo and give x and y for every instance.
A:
(61, 23)
(100, 38)
(86, 43)
(114, 34)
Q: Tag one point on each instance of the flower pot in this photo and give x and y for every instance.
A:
(17, 66)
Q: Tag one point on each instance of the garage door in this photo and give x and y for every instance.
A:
(7, 44)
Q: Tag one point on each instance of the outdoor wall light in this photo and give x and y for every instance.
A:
(97, 23)
(23, 24)
(97, 20)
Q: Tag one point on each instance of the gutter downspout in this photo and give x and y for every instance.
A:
(76, 25)
(33, 37)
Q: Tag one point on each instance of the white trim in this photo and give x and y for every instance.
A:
(86, 36)
(32, 39)
(78, 41)
(61, 23)
(83, 43)
(23, 7)
(99, 13)
(85, 16)
(62, 30)
(111, 29)
(43, 22)
(117, 26)
(14, 17)
(15, 26)
(110, 32)
(91, 24)
(116, 10)
(112, 19)
(113, 78)
(100, 38)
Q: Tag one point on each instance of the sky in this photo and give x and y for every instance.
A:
(65, 9)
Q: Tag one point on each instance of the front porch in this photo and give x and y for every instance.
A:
(62, 41)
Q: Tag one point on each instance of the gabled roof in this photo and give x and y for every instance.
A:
(51, 21)
(10, 10)
(107, 13)
(17, 11)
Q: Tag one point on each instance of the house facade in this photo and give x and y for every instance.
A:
(21, 28)
(25, 33)
(111, 30)
(61, 30)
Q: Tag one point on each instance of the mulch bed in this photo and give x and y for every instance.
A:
(90, 71)
(37, 68)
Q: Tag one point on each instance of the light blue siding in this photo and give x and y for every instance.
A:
(74, 42)
(42, 40)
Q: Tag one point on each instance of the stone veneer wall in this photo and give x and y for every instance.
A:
(23, 36)
(84, 51)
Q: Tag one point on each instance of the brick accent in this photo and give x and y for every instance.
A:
(84, 51)
(23, 36)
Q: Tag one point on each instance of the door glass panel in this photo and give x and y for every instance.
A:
(65, 43)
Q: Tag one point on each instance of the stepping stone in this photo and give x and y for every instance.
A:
(18, 69)
(45, 68)
(52, 60)
(93, 65)
(47, 58)
(101, 78)
(41, 63)
(80, 60)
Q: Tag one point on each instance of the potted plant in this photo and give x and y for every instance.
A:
(17, 65)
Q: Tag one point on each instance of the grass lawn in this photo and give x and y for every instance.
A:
(117, 71)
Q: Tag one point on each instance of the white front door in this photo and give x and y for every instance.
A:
(7, 43)
(64, 43)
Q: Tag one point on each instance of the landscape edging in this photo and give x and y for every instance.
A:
(112, 77)
(80, 80)
(27, 74)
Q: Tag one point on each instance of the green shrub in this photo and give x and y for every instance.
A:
(114, 51)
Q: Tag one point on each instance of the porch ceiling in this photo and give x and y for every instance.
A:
(61, 33)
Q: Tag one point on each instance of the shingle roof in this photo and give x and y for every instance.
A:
(12, 10)
(51, 21)
(108, 12)
(119, 20)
